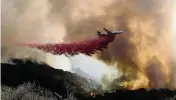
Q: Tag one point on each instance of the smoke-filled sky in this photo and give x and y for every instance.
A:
(143, 52)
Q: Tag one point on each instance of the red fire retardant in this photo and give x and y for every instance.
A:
(87, 47)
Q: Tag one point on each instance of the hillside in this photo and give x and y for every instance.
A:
(30, 81)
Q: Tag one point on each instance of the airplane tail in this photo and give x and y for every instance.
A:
(107, 31)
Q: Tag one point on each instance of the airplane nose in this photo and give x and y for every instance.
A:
(117, 32)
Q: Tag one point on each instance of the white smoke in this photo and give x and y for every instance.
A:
(59, 62)
(97, 70)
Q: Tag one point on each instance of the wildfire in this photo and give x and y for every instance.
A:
(152, 51)
(140, 82)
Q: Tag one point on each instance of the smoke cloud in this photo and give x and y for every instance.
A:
(142, 53)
